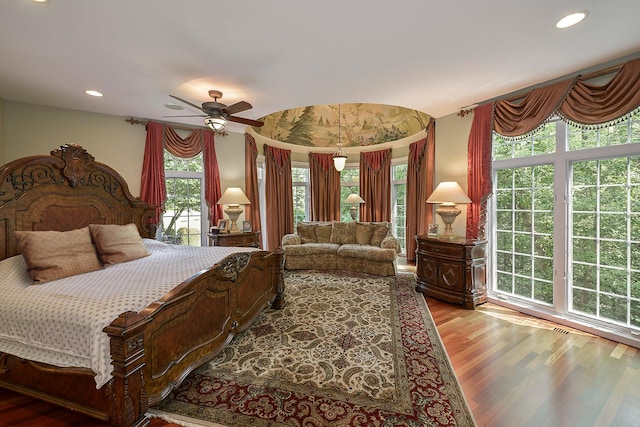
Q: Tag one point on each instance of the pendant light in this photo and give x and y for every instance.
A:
(339, 158)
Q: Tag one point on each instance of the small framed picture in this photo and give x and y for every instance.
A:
(246, 226)
(223, 225)
(433, 230)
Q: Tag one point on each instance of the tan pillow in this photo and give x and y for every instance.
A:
(307, 233)
(379, 233)
(118, 243)
(52, 255)
(363, 233)
(343, 232)
(323, 233)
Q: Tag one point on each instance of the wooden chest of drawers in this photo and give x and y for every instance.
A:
(453, 270)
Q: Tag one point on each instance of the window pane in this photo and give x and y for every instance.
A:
(301, 194)
(605, 238)
(181, 220)
(524, 230)
(624, 132)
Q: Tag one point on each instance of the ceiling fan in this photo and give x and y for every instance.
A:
(217, 114)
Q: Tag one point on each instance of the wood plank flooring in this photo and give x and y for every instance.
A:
(515, 370)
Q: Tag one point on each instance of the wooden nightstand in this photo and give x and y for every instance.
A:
(249, 239)
(453, 270)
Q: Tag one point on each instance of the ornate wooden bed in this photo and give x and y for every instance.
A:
(153, 350)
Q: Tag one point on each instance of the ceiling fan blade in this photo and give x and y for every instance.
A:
(249, 122)
(188, 103)
(190, 115)
(237, 107)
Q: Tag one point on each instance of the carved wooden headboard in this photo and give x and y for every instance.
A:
(64, 191)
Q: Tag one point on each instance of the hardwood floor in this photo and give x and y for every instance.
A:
(515, 370)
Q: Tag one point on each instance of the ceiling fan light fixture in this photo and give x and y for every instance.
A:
(215, 123)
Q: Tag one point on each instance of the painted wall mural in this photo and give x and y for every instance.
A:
(359, 124)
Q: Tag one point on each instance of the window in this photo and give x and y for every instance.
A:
(565, 222)
(349, 183)
(183, 218)
(399, 200)
(301, 194)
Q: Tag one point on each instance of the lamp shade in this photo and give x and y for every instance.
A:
(354, 198)
(234, 196)
(448, 192)
(339, 161)
(215, 123)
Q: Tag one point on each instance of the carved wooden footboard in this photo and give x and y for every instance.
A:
(155, 349)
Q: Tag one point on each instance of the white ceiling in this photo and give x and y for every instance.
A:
(435, 56)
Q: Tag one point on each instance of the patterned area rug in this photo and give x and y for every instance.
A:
(347, 350)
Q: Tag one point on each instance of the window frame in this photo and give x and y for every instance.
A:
(562, 160)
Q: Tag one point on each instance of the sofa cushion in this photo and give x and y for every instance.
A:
(364, 233)
(310, 249)
(372, 253)
(307, 233)
(379, 233)
(343, 232)
(323, 233)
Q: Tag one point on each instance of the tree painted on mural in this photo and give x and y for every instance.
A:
(302, 131)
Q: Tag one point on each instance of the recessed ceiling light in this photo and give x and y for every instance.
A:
(572, 19)
(41, 1)
(93, 92)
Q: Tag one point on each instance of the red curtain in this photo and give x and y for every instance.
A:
(152, 186)
(184, 148)
(375, 185)
(211, 176)
(325, 188)
(525, 115)
(278, 195)
(420, 170)
(252, 211)
(479, 176)
(590, 104)
(161, 136)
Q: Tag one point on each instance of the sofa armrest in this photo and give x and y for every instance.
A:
(390, 242)
(291, 239)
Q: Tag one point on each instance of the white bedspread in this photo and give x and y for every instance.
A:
(61, 322)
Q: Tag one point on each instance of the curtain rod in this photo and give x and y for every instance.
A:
(133, 121)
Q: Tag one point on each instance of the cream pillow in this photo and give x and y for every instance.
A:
(343, 232)
(363, 233)
(52, 255)
(379, 233)
(307, 233)
(323, 233)
(118, 243)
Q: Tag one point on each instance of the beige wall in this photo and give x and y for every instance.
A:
(33, 129)
(452, 135)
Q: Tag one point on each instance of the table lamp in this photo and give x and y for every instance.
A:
(355, 200)
(448, 194)
(233, 197)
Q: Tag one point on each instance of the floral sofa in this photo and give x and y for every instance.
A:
(367, 247)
